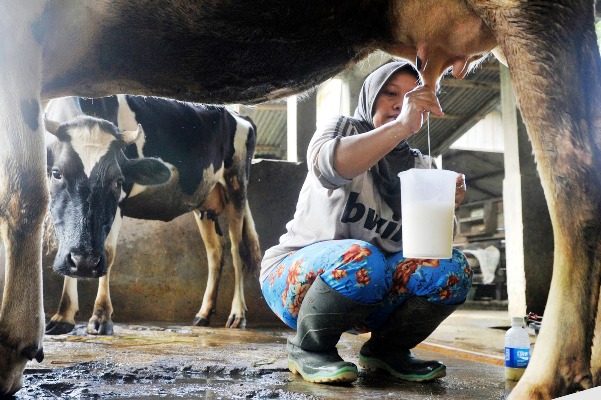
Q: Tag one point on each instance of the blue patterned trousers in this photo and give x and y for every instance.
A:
(360, 271)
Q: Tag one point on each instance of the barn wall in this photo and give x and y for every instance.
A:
(160, 270)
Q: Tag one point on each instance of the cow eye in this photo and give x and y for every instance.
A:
(118, 184)
(56, 174)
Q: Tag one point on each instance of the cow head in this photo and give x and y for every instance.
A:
(86, 172)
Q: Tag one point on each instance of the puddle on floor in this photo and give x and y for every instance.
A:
(96, 380)
(152, 361)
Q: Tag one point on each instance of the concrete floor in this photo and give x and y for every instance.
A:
(169, 361)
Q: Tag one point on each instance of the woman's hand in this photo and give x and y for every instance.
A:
(405, 115)
(417, 103)
(460, 189)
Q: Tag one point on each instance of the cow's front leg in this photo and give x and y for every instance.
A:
(101, 322)
(213, 243)
(64, 319)
(23, 201)
(23, 194)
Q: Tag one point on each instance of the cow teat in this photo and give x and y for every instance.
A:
(500, 55)
(418, 63)
(460, 68)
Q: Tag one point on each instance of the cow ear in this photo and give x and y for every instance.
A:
(131, 136)
(146, 171)
(51, 126)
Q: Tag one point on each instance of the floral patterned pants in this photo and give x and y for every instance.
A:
(361, 272)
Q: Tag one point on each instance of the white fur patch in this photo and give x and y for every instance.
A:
(241, 136)
(126, 121)
(90, 145)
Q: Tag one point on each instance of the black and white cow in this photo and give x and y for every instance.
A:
(209, 151)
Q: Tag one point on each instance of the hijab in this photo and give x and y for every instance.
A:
(401, 158)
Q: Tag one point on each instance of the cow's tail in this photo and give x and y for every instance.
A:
(250, 249)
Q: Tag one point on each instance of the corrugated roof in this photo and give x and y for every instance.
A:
(271, 129)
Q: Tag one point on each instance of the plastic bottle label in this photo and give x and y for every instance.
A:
(516, 357)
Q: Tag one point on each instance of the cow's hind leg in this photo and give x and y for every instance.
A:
(213, 242)
(554, 61)
(23, 194)
(101, 322)
(596, 351)
(64, 319)
(235, 222)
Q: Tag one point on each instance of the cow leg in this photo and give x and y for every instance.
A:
(101, 322)
(596, 351)
(214, 247)
(23, 194)
(554, 61)
(235, 221)
(64, 319)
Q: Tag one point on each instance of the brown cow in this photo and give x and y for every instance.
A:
(251, 51)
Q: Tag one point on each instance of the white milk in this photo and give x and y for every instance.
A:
(427, 229)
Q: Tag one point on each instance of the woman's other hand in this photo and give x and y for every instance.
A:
(460, 189)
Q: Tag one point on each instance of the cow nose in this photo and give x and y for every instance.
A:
(84, 265)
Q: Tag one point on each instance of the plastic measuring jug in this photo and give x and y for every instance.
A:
(427, 205)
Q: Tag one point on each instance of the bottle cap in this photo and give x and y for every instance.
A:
(517, 320)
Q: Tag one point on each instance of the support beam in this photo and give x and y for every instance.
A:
(528, 230)
(302, 115)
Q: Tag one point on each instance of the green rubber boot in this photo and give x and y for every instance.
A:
(389, 348)
(323, 316)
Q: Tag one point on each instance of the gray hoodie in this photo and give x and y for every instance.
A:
(332, 207)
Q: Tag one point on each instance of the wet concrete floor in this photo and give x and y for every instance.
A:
(148, 360)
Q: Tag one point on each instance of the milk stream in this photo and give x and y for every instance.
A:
(429, 155)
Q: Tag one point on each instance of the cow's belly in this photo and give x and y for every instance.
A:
(164, 203)
(215, 52)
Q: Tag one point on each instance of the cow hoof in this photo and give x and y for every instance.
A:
(58, 328)
(235, 322)
(100, 328)
(12, 365)
(200, 321)
(538, 391)
(32, 352)
(10, 393)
